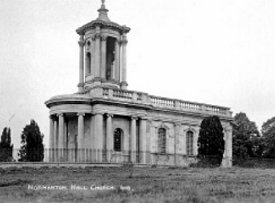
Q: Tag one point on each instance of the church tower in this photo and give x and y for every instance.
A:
(102, 58)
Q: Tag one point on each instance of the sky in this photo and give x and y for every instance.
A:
(215, 52)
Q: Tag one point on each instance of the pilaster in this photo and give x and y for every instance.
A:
(176, 142)
(123, 62)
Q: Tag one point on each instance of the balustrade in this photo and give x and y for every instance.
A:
(163, 102)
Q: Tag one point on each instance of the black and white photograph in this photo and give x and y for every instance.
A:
(137, 101)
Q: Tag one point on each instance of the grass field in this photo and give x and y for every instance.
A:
(145, 185)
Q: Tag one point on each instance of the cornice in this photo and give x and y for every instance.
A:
(104, 24)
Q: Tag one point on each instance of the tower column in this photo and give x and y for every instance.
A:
(81, 64)
(117, 61)
(142, 141)
(80, 135)
(97, 52)
(103, 56)
(109, 140)
(133, 139)
(61, 136)
(123, 62)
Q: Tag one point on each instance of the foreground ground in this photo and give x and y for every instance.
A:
(145, 185)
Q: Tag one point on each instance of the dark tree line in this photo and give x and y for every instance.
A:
(248, 142)
(32, 148)
(6, 147)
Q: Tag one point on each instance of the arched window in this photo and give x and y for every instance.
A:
(162, 140)
(189, 142)
(117, 139)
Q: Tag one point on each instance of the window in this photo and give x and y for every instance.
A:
(117, 139)
(189, 142)
(88, 63)
(110, 58)
(162, 140)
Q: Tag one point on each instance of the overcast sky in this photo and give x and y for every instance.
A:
(217, 52)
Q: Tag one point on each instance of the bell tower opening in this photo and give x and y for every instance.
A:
(88, 63)
(110, 65)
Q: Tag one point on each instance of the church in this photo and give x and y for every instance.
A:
(104, 122)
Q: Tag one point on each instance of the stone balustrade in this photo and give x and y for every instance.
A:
(160, 102)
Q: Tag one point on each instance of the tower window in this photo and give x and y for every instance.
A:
(189, 142)
(88, 63)
(117, 139)
(110, 57)
(162, 140)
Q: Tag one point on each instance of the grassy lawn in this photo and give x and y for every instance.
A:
(145, 185)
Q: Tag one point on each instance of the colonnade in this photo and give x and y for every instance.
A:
(99, 140)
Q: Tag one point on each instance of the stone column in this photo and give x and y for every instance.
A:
(97, 53)
(81, 64)
(123, 62)
(51, 144)
(109, 140)
(103, 56)
(143, 139)
(55, 135)
(117, 61)
(93, 54)
(80, 136)
(99, 145)
(60, 136)
(133, 139)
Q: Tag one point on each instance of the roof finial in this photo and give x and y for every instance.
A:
(103, 12)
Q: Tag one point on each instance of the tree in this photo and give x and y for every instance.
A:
(246, 138)
(210, 141)
(32, 148)
(5, 146)
(268, 131)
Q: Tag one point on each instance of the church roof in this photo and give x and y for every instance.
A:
(102, 21)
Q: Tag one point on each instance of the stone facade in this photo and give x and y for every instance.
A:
(105, 122)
